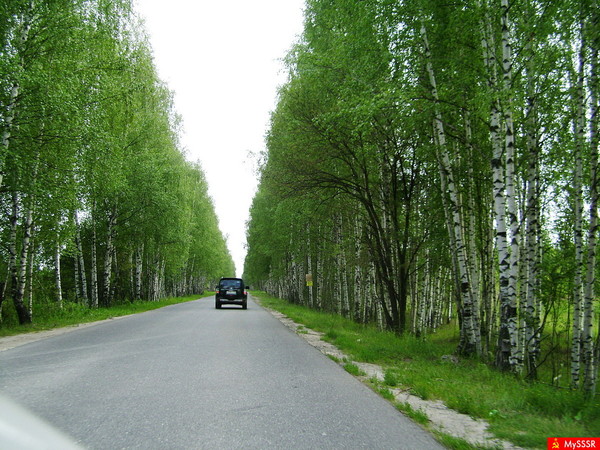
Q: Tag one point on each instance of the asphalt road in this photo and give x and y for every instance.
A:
(189, 376)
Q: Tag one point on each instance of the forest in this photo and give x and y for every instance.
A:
(435, 164)
(98, 202)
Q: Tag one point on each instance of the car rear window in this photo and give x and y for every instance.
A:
(231, 284)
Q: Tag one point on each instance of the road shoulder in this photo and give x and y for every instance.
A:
(8, 342)
(442, 418)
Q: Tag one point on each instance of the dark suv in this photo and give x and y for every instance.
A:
(231, 291)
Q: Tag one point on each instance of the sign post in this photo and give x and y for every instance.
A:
(309, 279)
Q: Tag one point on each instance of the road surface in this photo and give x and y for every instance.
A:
(190, 376)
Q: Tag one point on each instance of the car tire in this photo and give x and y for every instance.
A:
(244, 305)
(217, 304)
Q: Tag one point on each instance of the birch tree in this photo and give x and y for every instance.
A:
(472, 344)
(590, 354)
(82, 107)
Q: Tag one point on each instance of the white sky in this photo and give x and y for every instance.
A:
(223, 61)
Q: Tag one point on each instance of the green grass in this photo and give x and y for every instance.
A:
(353, 369)
(521, 412)
(455, 443)
(75, 313)
(415, 414)
(390, 378)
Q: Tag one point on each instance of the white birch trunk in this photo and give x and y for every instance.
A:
(311, 288)
(509, 317)
(21, 272)
(77, 276)
(359, 299)
(470, 318)
(154, 280)
(470, 239)
(3, 294)
(132, 275)
(10, 113)
(319, 298)
(107, 272)
(30, 276)
(94, 268)
(12, 246)
(531, 311)
(311, 298)
(161, 280)
(57, 280)
(115, 270)
(299, 280)
(344, 285)
(138, 271)
(579, 132)
(474, 266)
(82, 275)
(488, 44)
(589, 383)
(503, 189)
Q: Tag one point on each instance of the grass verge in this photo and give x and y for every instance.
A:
(518, 411)
(75, 313)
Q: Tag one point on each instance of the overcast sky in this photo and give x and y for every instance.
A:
(223, 61)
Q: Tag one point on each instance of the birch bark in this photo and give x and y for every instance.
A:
(94, 268)
(12, 246)
(532, 304)
(359, 291)
(311, 300)
(531, 310)
(498, 179)
(9, 116)
(469, 315)
(57, 275)
(319, 277)
(29, 276)
(138, 271)
(509, 318)
(19, 277)
(79, 250)
(108, 259)
(589, 385)
(344, 285)
(474, 264)
(579, 132)
(508, 356)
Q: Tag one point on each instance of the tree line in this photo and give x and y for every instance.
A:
(99, 204)
(430, 162)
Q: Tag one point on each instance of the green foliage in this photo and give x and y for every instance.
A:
(353, 191)
(89, 132)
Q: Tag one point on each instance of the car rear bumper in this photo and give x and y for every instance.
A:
(231, 300)
(235, 301)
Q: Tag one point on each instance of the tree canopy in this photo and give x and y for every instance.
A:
(431, 162)
(99, 202)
